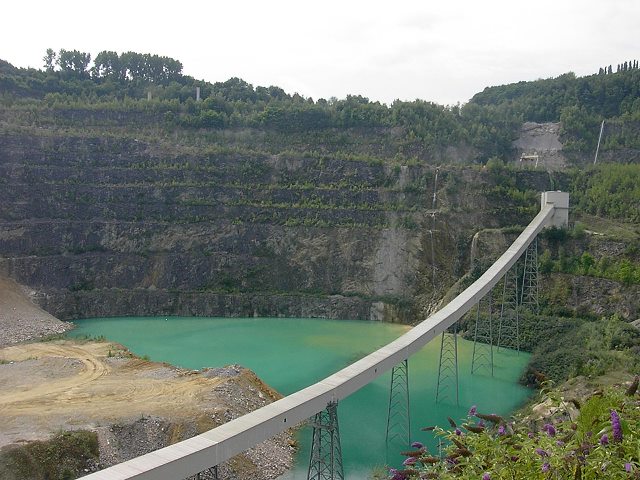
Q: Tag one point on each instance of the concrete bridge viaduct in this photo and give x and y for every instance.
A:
(200, 453)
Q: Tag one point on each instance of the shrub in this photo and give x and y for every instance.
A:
(600, 442)
(65, 456)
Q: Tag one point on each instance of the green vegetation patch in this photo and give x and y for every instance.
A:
(565, 348)
(66, 456)
(611, 191)
(570, 440)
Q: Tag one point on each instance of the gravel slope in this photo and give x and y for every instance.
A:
(21, 319)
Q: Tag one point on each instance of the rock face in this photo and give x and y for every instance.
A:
(539, 146)
(101, 225)
(575, 295)
(99, 219)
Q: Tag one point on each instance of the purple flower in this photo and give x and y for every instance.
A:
(481, 423)
(604, 440)
(417, 445)
(616, 427)
(541, 452)
(560, 443)
(397, 475)
(458, 431)
(550, 429)
(472, 411)
(486, 476)
(627, 467)
(530, 435)
(409, 461)
(546, 467)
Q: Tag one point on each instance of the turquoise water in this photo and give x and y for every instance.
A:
(292, 353)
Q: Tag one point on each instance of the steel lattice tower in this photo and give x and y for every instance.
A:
(448, 366)
(509, 324)
(399, 413)
(326, 452)
(529, 294)
(483, 338)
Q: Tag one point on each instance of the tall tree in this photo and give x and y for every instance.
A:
(108, 64)
(74, 61)
(49, 60)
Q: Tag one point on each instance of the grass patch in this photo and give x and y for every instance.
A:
(614, 229)
(63, 457)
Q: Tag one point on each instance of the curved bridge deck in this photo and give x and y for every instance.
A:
(198, 453)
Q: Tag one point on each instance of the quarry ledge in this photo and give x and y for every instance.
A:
(71, 305)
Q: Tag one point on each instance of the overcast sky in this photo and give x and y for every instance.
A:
(441, 51)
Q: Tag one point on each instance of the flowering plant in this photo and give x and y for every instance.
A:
(597, 439)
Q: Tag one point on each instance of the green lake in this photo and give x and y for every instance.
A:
(292, 353)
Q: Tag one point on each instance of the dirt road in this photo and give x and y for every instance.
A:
(49, 386)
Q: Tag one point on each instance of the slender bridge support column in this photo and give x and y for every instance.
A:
(326, 452)
(509, 325)
(399, 413)
(482, 358)
(529, 295)
(448, 367)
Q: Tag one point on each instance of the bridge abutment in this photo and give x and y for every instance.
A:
(560, 201)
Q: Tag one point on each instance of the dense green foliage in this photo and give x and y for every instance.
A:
(567, 347)
(64, 457)
(597, 439)
(563, 347)
(579, 103)
(613, 268)
(611, 191)
(489, 122)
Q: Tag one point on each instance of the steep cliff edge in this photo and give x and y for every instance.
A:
(102, 223)
(115, 213)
